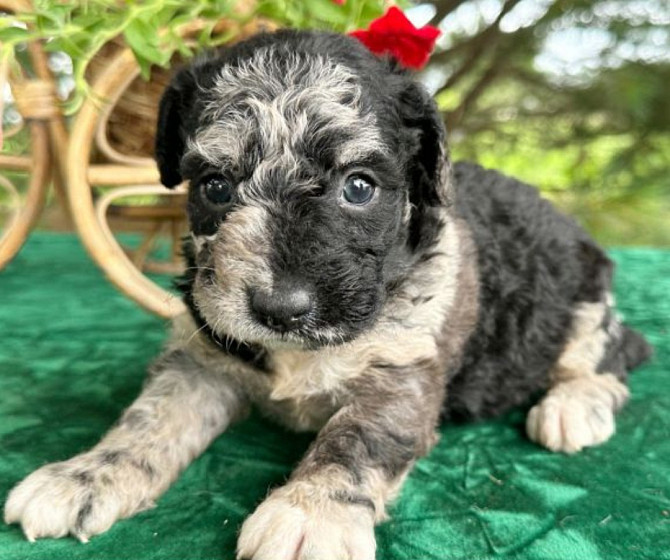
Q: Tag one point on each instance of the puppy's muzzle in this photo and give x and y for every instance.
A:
(286, 308)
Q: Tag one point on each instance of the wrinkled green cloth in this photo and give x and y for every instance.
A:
(73, 353)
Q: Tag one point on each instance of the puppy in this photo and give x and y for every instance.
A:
(345, 279)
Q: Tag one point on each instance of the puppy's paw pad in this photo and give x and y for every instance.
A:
(571, 418)
(61, 499)
(283, 529)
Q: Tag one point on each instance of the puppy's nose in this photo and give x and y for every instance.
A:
(285, 308)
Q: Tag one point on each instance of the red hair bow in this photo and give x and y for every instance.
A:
(394, 34)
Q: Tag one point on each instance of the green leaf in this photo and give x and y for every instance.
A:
(142, 38)
(327, 10)
(369, 11)
(205, 34)
(285, 12)
(184, 50)
(145, 66)
(51, 19)
(13, 35)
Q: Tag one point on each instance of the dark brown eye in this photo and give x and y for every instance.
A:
(358, 190)
(216, 190)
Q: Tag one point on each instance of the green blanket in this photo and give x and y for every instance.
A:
(73, 354)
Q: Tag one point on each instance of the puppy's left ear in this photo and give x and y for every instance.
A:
(173, 114)
(428, 166)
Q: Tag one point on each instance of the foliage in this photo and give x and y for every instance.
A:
(153, 28)
(591, 130)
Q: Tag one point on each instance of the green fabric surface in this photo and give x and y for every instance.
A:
(73, 353)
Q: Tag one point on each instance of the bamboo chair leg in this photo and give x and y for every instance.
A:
(91, 224)
(38, 105)
(20, 226)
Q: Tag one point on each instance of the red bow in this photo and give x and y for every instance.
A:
(394, 34)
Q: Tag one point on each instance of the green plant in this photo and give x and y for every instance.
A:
(152, 28)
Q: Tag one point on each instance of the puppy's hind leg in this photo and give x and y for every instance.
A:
(181, 409)
(578, 410)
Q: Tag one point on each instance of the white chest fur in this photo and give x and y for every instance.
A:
(299, 375)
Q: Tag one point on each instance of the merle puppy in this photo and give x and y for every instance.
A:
(344, 279)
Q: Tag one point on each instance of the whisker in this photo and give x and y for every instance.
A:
(196, 332)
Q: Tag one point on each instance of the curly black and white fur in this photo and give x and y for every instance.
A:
(345, 279)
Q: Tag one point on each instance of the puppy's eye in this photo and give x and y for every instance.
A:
(358, 190)
(216, 190)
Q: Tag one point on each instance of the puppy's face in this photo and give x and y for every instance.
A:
(302, 179)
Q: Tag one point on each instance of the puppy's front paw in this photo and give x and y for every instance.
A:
(577, 413)
(72, 497)
(299, 522)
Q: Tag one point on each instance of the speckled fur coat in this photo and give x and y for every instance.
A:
(344, 278)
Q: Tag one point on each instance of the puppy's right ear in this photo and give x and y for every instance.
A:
(173, 115)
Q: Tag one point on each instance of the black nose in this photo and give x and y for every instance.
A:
(285, 308)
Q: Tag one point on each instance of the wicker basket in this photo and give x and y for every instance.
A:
(131, 126)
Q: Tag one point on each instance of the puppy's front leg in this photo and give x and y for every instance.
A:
(328, 509)
(181, 409)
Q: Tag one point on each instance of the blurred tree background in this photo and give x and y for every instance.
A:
(570, 95)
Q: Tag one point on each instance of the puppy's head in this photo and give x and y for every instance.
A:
(314, 169)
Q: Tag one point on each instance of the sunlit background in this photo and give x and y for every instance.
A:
(570, 95)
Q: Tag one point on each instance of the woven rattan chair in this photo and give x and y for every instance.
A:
(35, 99)
(105, 159)
(109, 159)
